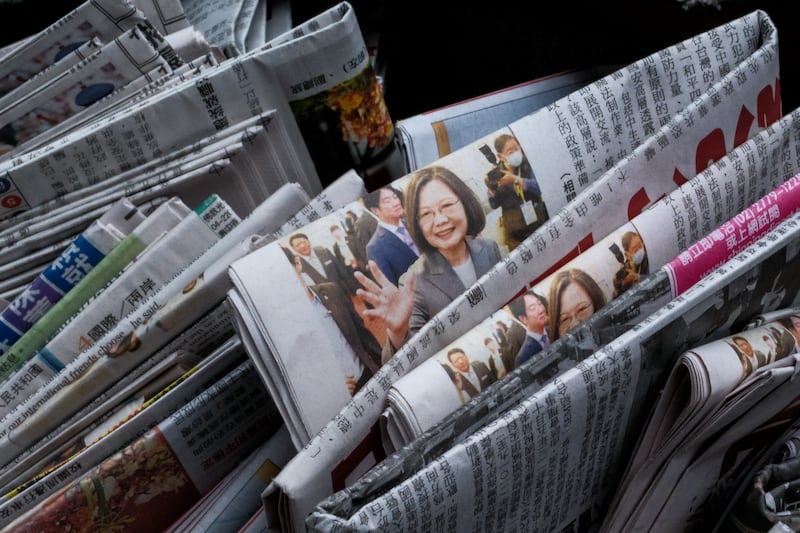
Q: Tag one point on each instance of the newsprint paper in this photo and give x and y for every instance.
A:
(424, 396)
(723, 405)
(663, 133)
(547, 458)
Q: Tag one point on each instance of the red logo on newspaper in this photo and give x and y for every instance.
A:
(11, 201)
(709, 149)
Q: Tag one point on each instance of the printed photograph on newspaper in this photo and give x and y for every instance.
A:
(372, 274)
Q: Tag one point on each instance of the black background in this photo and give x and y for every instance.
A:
(434, 53)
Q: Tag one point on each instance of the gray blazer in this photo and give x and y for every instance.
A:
(436, 284)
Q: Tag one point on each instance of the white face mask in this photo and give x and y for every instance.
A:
(638, 257)
(514, 159)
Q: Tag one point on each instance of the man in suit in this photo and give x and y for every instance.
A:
(501, 334)
(319, 263)
(470, 378)
(390, 247)
(496, 363)
(343, 252)
(364, 227)
(357, 350)
(531, 310)
(754, 356)
(784, 339)
(514, 339)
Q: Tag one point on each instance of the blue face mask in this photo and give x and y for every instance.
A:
(514, 159)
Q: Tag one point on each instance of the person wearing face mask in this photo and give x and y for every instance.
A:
(513, 188)
(635, 265)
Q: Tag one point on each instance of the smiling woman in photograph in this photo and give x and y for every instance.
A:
(574, 297)
(445, 218)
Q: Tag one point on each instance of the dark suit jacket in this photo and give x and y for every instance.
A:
(516, 338)
(334, 270)
(365, 226)
(337, 253)
(529, 348)
(347, 272)
(338, 303)
(761, 358)
(437, 284)
(501, 337)
(391, 254)
(485, 377)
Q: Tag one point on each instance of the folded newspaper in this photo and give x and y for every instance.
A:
(716, 416)
(75, 261)
(149, 483)
(340, 111)
(137, 133)
(185, 299)
(550, 309)
(426, 137)
(549, 457)
(590, 185)
(114, 65)
(237, 497)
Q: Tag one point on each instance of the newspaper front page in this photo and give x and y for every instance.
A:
(613, 266)
(642, 162)
(549, 458)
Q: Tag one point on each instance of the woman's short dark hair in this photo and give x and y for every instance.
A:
(476, 218)
(560, 282)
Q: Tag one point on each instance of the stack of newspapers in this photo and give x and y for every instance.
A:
(484, 337)
(574, 306)
(142, 154)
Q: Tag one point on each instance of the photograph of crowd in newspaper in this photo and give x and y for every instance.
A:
(385, 265)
